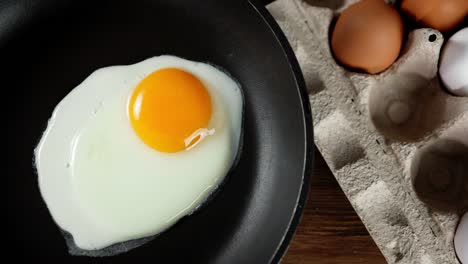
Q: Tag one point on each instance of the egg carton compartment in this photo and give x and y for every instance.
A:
(373, 170)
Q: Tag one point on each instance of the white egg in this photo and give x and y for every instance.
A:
(461, 239)
(454, 63)
(103, 184)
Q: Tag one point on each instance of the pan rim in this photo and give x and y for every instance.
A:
(308, 147)
(308, 128)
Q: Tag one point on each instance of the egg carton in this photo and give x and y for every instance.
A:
(372, 170)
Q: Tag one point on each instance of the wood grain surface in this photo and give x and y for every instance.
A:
(330, 231)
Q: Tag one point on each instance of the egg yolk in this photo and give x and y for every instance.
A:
(168, 108)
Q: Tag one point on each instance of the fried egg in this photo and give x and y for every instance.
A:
(133, 149)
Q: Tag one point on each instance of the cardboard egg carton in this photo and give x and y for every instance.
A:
(372, 170)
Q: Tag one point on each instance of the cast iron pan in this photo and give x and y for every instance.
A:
(49, 46)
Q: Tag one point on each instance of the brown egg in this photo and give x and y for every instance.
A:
(443, 15)
(368, 36)
(418, 8)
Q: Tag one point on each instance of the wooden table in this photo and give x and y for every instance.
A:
(330, 231)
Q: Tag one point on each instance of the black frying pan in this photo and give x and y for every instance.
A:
(49, 46)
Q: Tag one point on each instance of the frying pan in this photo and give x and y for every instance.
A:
(48, 47)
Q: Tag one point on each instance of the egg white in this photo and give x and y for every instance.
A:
(103, 185)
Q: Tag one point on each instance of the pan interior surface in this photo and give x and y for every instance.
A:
(51, 46)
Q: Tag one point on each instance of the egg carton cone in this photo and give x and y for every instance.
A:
(373, 170)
